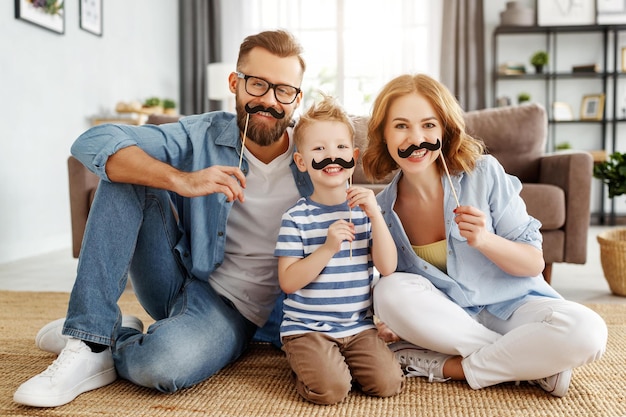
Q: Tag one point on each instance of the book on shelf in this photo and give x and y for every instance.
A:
(512, 68)
(586, 68)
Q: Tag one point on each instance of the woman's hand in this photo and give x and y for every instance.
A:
(471, 223)
(515, 258)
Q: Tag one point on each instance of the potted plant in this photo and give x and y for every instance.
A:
(152, 105)
(523, 98)
(169, 106)
(563, 146)
(539, 60)
(612, 172)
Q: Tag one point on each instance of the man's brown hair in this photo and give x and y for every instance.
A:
(278, 42)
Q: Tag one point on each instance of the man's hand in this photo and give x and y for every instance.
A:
(227, 180)
(132, 165)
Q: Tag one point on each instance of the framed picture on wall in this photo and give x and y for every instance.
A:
(566, 12)
(48, 14)
(611, 12)
(591, 107)
(91, 16)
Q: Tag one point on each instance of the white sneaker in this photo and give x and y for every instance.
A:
(50, 338)
(417, 361)
(556, 385)
(76, 370)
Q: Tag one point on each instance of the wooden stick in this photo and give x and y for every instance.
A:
(243, 141)
(445, 167)
(350, 185)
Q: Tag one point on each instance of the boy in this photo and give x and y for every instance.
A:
(327, 246)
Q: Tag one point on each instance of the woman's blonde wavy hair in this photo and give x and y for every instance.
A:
(460, 150)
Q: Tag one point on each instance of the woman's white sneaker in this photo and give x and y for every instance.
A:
(76, 370)
(557, 384)
(417, 361)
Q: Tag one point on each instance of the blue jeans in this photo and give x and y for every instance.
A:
(133, 229)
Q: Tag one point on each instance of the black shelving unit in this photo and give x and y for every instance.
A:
(609, 75)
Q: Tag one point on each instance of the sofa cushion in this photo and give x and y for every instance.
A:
(546, 203)
(515, 135)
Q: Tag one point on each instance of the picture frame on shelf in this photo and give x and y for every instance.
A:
(561, 111)
(91, 16)
(591, 107)
(50, 15)
(566, 13)
(611, 12)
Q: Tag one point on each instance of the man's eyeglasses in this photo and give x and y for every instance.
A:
(258, 87)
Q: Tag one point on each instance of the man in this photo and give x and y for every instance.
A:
(195, 232)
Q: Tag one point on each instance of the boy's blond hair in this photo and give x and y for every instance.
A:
(328, 110)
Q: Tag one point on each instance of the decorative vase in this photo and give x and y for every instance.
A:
(516, 14)
(539, 69)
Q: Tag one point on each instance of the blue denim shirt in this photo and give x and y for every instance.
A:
(193, 143)
(473, 281)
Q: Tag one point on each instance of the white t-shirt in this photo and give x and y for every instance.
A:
(249, 275)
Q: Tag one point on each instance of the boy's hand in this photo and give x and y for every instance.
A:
(386, 334)
(338, 232)
(364, 198)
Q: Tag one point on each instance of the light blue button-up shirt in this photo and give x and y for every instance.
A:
(473, 281)
(194, 143)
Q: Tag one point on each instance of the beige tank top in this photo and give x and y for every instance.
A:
(434, 253)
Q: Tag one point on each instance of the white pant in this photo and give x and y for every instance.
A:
(543, 337)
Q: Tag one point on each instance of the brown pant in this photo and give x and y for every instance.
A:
(325, 367)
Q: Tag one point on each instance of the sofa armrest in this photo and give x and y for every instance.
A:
(572, 172)
(82, 186)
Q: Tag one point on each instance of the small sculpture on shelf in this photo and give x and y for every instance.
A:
(539, 60)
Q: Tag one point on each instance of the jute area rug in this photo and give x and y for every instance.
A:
(259, 384)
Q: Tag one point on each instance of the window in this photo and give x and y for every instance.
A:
(352, 47)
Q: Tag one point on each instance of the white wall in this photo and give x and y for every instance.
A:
(50, 85)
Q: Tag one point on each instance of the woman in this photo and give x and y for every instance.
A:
(468, 295)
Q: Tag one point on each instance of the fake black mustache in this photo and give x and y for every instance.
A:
(424, 145)
(256, 109)
(337, 161)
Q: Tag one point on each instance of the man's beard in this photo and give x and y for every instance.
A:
(258, 132)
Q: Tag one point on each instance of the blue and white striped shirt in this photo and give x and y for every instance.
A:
(338, 302)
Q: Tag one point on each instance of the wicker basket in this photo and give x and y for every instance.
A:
(613, 259)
